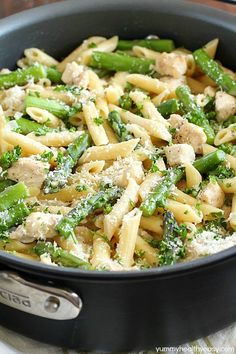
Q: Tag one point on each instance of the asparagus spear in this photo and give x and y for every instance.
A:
(159, 45)
(212, 69)
(5, 183)
(22, 76)
(26, 126)
(229, 121)
(59, 109)
(118, 126)
(13, 216)
(228, 148)
(57, 178)
(157, 197)
(194, 113)
(13, 194)
(66, 225)
(120, 62)
(54, 75)
(125, 102)
(60, 256)
(171, 247)
(169, 107)
(9, 157)
(210, 161)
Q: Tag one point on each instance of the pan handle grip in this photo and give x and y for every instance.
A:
(40, 300)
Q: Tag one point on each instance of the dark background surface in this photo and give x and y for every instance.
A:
(8, 7)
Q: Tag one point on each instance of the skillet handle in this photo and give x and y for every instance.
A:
(40, 300)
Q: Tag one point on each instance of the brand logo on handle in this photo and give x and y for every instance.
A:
(7, 296)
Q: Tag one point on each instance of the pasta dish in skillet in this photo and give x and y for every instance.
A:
(119, 157)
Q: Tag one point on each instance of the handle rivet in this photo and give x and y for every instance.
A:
(52, 304)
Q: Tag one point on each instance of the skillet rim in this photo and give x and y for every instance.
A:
(185, 7)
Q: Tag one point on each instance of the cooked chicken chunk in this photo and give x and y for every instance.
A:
(212, 194)
(225, 105)
(171, 64)
(74, 74)
(179, 154)
(207, 243)
(187, 133)
(29, 171)
(176, 121)
(37, 226)
(13, 100)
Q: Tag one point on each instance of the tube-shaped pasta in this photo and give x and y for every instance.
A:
(28, 145)
(211, 47)
(154, 128)
(141, 133)
(148, 184)
(43, 116)
(67, 194)
(193, 177)
(149, 253)
(109, 152)
(96, 129)
(147, 107)
(128, 237)
(35, 55)
(101, 252)
(225, 135)
(147, 83)
(152, 223)
(56, 139)
(228, 185)
(113, 220)
(184, 212)
(93, 166)
(73, 56)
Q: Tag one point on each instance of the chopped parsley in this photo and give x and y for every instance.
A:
(9, 157)
(107, 208)
(98, 120)
(81, 188)
(228, 148)
(125, 102)
(42, 130)
(46, 156)
(222, 172)
(92, 45)
(75, 90)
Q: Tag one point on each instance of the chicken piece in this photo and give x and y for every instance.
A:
(176, 121)
(207, 243)
(225, 106)
(191, 134)
(179, 154)
(210, 91)
(122, 170)
(13, 100)
(187, 133)
(212, 194)
(74, 74)
(171, 64)
(30, 171)
(37, 226)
